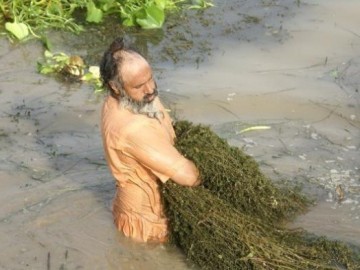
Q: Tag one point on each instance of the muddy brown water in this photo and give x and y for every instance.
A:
(294, 69)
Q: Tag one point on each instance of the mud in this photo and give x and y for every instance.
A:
(290, 65)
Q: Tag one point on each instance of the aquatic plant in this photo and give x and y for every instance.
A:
(25, 18)
(235, 176)
(216, 232)
(70, 67)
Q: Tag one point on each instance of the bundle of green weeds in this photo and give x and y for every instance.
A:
(235, 177)
(215, 235)
(218, 233)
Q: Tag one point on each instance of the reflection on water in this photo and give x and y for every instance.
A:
(296, 73)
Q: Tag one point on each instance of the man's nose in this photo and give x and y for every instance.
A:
(149, 89)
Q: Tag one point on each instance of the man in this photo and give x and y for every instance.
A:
(138, 140)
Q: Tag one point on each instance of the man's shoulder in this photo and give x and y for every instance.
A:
(122, 122)
(114, 119)
(137, 124)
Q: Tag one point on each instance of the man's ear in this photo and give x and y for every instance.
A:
(114, 88)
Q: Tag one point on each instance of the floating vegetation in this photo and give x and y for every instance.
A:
(222, 226)
(24, 18)
(70, 67)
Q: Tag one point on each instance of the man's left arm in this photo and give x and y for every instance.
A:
(161, 157)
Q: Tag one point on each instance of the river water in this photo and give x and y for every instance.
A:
(290, 66)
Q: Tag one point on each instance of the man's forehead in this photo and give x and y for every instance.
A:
(128, 56)
(132, 63)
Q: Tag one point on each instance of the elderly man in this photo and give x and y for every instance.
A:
(138, 140)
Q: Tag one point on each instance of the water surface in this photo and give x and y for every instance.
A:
(294, 69)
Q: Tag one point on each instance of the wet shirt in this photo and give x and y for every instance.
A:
(140, 152)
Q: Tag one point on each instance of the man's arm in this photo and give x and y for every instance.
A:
(187, 175)
(149, 148)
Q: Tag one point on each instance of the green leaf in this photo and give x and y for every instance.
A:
(48, 54)
(95, 72)
(154, 18)
(46, 43)
(45, 69)
(108, 5)
(87, 77)
(19, 30)
(161, 4)
(128, 22)
(61, 58)
(54, 7)
(128, 18)
(94, 14)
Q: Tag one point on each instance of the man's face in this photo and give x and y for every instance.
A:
(139, 88)
(138, 80)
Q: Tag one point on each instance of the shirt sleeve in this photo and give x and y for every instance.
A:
(151, 147)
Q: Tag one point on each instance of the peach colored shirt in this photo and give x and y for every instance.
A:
(139, 151)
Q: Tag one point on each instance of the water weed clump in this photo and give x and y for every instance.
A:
(235, 177)
(216, 233)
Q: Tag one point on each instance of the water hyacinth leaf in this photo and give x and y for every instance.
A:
(87, 77)
(95, 71)
(92, 75)
(48, 54)
(43, 69)
(152, 17)
(128, 18)
(19, 30)
(46, 43)
(61, 58)
(72, 7)
(108, 5)
(161, 4)
(60, 14)
(55, 7)
(94, 14)
(128, 22)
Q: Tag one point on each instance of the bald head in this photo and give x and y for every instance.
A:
(125, 72)
(133, 66)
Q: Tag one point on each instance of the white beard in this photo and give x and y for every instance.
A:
(139, 107)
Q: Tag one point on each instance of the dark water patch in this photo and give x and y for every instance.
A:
(188, 37)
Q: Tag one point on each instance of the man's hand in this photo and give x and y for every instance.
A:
(197, 182)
